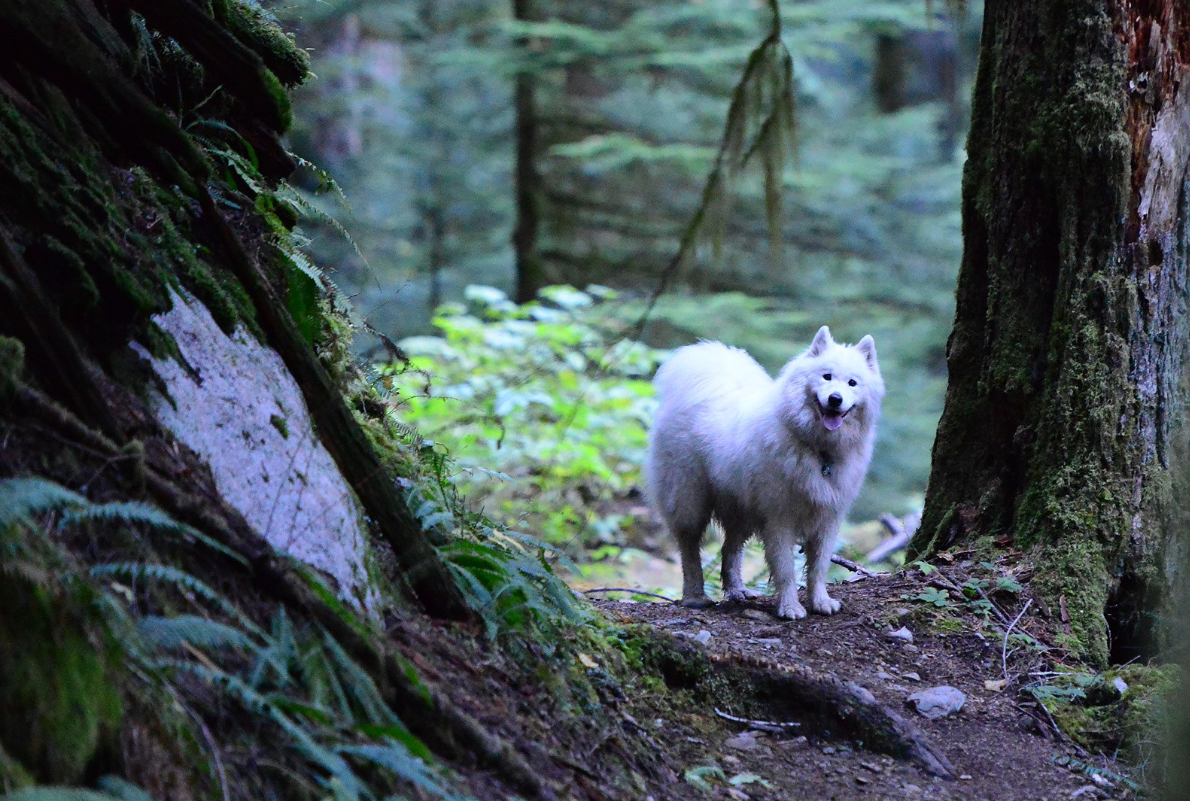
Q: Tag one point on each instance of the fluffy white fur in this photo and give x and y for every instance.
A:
(779, 458)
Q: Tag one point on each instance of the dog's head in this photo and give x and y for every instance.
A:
(839, 382)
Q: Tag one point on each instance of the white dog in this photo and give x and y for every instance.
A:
(781, 458)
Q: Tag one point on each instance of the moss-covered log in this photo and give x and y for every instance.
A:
(1063, 431)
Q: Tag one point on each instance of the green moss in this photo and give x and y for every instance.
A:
(276, 48)
(59, 666)
(1093, 711)
(281, 424)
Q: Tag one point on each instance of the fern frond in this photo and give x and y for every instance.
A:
(166, 633)
(145, 514)
(180, 579)
(22, 498)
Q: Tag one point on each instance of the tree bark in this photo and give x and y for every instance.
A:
(1063, 432)
(530, 276)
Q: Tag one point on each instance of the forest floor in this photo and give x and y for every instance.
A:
(629, 741)
(1000, 751)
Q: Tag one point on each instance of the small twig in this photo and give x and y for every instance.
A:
(1008, 631)
(629, 589)
(854, 567)
(761, 724)
(1058, 730)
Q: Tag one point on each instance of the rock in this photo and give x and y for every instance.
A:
(1120, 685)
(912, 675)
(862, 780)
(756, 614)
(828, 750)
(736, 794)
(909, 648)
(742, 742)
(872, 766)
(903, 634)
(1087, 789)
(703, 637)
(767, 642)
(995, 686)
(937, 702)
(885, 676)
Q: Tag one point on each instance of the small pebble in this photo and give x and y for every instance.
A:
(912, 675)
(703, 637)
(903, 634)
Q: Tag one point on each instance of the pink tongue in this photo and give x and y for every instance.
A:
(832, 421)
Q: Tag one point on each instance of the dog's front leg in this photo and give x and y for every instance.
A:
(779, 547)
(819, 548)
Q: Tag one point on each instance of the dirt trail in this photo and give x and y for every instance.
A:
(999, 752)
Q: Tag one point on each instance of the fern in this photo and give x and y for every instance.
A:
(57, 794)
(182, 580)
(22, 498)
(166, 633)
(145, 514)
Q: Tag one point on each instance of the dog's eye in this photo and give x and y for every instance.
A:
(826, 376)
(851, 383)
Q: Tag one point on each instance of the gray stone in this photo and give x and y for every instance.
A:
(903, 634)
(937, 702)
(703, 637)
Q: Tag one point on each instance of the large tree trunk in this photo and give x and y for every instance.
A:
(530, 276)
(1063, 432)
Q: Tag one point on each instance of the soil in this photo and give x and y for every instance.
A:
(637, 744)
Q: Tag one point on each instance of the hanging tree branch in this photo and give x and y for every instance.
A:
(769, 67)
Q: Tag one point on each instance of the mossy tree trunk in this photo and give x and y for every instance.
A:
(1063, 432)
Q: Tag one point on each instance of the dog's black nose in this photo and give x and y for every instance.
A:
(835, 400)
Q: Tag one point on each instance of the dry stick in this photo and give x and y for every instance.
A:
(629, 589)
(854, 567)
(1008, 631)
(759, 723)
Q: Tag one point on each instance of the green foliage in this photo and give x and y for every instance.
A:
(1124, 709)
(543, 411)
(58, 664)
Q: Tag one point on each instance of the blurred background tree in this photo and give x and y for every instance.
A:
(546, 142)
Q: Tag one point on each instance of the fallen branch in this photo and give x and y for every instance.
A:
(759, 724)
(629, 589)
(899, 536)
(854, 567)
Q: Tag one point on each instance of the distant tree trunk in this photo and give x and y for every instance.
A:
(529, 272)
(1063, 433)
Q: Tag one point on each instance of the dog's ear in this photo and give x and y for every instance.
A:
(867, 346)
(822, 341)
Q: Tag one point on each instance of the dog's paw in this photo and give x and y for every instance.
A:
(697, 602)
(790, 608)
(824, 604)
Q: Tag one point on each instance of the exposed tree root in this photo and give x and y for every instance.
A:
(770, 691)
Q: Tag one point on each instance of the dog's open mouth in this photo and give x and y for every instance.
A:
(833, 418)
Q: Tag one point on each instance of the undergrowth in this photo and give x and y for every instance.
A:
(149, 629)
(542, 407)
